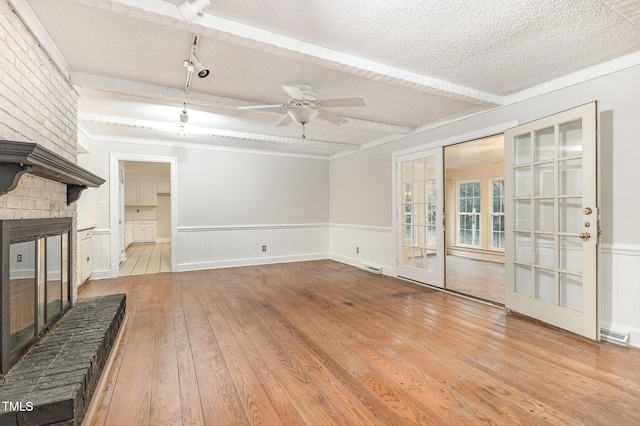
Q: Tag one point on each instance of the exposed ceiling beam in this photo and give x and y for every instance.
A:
(166, 14)
(149, 91)
(207, 131)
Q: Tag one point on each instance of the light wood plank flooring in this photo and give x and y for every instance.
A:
(322, 343)
(477, 278)
(147, 259)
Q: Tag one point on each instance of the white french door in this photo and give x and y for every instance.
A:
(552, 222)
(419, 221)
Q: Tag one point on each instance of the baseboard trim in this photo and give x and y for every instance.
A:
(101, 275)
(232, 263)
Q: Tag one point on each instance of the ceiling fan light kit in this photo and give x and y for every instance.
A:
(303, 106)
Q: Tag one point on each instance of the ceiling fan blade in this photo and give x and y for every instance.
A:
(261, 106)
(342, 102)
(331, 117)
(286, 119)
(293, 92)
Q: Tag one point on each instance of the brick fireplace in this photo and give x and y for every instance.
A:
(35, 254)
(39, 182)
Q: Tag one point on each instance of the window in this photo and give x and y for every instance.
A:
(469, 213)
(497, 214)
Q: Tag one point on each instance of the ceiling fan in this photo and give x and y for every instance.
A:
(303, 106)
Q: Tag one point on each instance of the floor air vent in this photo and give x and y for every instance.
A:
(616, 337)
(371, 268)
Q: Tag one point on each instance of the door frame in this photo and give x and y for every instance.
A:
(114, 205)
(441, 143)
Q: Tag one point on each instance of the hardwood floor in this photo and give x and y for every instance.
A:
(322, 343)
(477, 278)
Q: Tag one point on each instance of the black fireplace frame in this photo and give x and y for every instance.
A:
(21, 230)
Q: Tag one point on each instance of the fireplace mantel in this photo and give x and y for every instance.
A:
(17, 158)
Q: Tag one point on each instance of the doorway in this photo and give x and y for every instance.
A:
(146, 217)
(145, 208)
(474, 212)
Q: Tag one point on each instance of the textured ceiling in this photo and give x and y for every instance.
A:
(415, 62)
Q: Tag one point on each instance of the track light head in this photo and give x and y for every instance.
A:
(198, 66)
(192, 11)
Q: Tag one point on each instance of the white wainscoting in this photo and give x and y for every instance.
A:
(209, 247)
(101, 254)
(363, 245)
(619, 301)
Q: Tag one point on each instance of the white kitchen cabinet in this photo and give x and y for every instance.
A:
(85, 237)
(143, 231)
(163, 186)
(140, 192)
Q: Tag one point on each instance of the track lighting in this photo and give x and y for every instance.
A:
(199, 67)
(192, 11)
(184, 117)
(193, 64)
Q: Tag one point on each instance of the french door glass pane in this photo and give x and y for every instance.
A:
(431, 259)
(406, 171)
(544, 144)
(522, 149)
(570, 215)
(544, 178)
(418, 174)
(522, 214)
(420, 212)
(544, 213)
(522, 178)
(407, 192)
(571, 292)
(522, 279)
(431, 236)
(418, 236)
(545, 284)
(570, 254)
(570, 177)
(545, 250)
(431, 214)
(430, 168)
(570, 143)
(523, 247)
(418, 192)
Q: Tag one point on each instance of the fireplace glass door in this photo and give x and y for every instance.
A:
(22, 294)
(36, 284)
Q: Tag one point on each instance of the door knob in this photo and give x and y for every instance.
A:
(587, 210)
(585, 236)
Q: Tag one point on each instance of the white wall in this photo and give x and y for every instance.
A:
(230, 204)
(360, 190)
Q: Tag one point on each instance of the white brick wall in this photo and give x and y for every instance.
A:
(37, 104)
